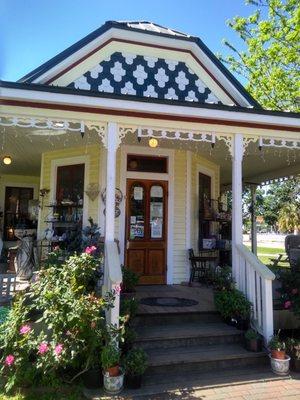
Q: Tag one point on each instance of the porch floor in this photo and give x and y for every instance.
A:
(200, 293)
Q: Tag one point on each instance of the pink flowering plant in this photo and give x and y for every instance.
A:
(289, 291)
(56, 327)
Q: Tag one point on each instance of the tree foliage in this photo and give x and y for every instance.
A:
(270, 61)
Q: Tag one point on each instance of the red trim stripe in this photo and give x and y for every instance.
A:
(156, 116)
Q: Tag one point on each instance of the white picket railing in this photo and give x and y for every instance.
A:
(114, 279)
(254, 279)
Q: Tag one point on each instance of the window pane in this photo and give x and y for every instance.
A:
(156, 212)
(147, 163)
(137, 212)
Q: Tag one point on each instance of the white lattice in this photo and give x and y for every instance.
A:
(279, 142)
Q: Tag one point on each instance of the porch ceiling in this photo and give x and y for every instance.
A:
(26, 145)
(258, 166)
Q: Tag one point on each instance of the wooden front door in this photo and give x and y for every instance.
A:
(146, 229)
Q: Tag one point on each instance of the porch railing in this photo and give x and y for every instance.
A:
(114, 279)
(254, 279)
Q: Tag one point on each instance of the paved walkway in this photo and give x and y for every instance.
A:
(238, 384)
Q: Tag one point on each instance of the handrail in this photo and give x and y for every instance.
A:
(114, 279)
(254, 279)
(260, 268)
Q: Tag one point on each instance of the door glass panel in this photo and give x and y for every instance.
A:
(156, 212)
(137, 212)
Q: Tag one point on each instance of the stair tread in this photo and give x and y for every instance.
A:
(186, 330)
(199, 353)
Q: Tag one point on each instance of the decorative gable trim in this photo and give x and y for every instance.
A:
(145, 76)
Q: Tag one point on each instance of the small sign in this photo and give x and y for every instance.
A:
(138, 193)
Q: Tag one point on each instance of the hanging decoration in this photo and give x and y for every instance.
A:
(92, 191)
(118, 200)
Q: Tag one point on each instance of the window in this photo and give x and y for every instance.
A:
(147, 164)
(137, 212)
(70, 184)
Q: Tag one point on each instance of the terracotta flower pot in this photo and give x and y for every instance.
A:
(113, 371)
(278, 354)
(254, 345)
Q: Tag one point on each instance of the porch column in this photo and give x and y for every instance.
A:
(112, 267)
(237, 216)
(253, 220)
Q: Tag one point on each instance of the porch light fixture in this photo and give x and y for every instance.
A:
(153, 142)
(7, 160)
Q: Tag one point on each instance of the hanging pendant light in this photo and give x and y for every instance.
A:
(7, 160)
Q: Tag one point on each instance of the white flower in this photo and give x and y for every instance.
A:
(181, 80)
(118, 71)
(140, 74)
(161, 77)
(82, 83)
(150, 92)
(105, 86)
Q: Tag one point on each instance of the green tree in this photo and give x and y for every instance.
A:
(270, 61)
(289, 218)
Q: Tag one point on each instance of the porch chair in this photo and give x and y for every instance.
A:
(200, 265)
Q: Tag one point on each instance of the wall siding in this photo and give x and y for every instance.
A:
(179, 224)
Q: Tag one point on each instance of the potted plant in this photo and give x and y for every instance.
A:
(280, 362)
(277, 347)
(135, 366)
(128, 339)
(293, 350)
(253, 341)
(113, 376)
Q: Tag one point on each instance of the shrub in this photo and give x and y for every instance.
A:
(135, 362)
(129, 280)
(232, 304)
(129, 308)
(223, 278)
(251, 334)
(70, 330)
(276, 343)
(110, 357)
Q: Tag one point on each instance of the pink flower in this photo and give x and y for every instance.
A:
(25, 329)
(90, 250)
(294, 291)
(9, 360)
(58, 349)
(43, 348)
(287, 304)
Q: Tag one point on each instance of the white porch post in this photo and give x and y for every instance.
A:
(237, 216)
(253, 220)
(112, 142)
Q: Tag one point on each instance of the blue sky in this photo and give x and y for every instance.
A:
(33, 31)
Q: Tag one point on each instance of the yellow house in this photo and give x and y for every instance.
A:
(140, 127)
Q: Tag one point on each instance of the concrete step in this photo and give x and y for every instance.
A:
(201, 358)
(188, 334)
(162, 318)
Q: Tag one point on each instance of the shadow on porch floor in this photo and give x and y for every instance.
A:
(202, 294)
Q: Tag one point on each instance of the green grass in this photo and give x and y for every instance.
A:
(265, 254)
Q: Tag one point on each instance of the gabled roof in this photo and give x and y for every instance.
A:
(141, 27)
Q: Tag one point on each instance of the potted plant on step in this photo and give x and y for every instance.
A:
(280, 362)
(293, 350)
(135, 366)
(253, 341)
(113, 376)
(129, 281)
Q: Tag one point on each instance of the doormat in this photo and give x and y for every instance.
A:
(168, 302)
